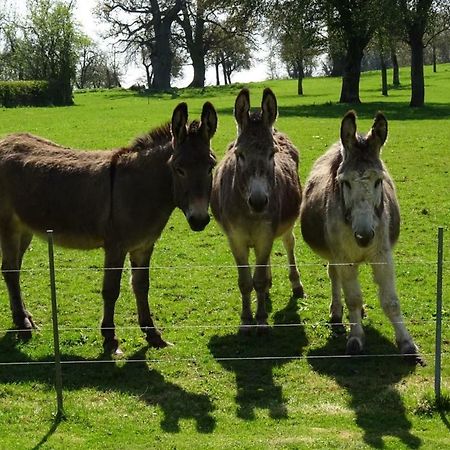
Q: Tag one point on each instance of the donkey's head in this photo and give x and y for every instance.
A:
(192, 163)
(360, 176)
(254, 149)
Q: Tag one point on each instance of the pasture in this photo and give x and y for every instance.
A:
(214, 388)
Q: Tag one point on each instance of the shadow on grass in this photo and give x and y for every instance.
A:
(132, 378)
(255, 384)
(367, 110)
(371, 384)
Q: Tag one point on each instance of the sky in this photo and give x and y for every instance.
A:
(92, 27)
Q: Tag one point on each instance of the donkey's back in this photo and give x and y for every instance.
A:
(46, 186)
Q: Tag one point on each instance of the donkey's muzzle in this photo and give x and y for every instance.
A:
(258, 202)
(198, 223)
(364, 239)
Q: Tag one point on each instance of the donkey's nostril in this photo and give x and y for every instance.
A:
(258, 202)
(364, 239)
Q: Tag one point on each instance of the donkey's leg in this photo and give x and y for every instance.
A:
(114, 259)
(384, 277)
(240, 252)
(140, 282)
(294, 275)
(348, 276)
(13, 245)
(336, 308)
(261, 281)
(14, 242)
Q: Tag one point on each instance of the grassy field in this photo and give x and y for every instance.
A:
(198, 394)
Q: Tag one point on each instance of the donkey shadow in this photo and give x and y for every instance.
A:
(371, 384)
(133, 378)
(255, 384)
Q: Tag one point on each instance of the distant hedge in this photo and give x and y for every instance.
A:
(24, 93)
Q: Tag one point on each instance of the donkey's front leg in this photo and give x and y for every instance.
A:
(240, 252)
(114, 259)
(140, 281)
(261, 281)
(384, 277)
(348, 275)
(336, 309)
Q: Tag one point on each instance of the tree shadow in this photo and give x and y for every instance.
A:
(371, 383)
(133, 377)
(253, 359)
(393, 110)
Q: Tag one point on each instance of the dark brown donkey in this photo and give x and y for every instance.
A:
(119, 200)
(350, 215)
(256, 198)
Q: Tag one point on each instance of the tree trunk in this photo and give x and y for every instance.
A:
(217, 64)
(199, 66)
(434, 57)
(395, 68)
(417, 77)
(352, 74)
(384, 83)
(161, 57)
(301, 75)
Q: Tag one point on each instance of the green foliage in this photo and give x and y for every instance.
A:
(24, 93)
(197, 394)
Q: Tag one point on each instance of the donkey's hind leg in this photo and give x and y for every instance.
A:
(294, 275)
(140, 282)
(384, 277)
(14, 244)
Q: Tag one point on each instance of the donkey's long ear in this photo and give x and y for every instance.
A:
(179, 121)
(242, 108)
(379, 129)
(208, 124)
(269, 107)
(348, 130)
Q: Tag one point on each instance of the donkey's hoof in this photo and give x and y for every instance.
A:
(298, 292)
(337, 328)
(156, 341)
(111, 346)
(245, 329)
(25, 328)
(410, 352)
(354, 346)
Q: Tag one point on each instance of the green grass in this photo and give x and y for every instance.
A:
(191, 395)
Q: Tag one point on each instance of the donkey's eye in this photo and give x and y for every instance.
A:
(346, 184)
(240, 157)
(271, 156)
(210, 168)
(378, 182)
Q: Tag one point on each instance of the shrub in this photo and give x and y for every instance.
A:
(24, 93)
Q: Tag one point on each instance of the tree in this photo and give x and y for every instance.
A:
(356, 20)
(298, 26)
(48, 48)
(417, 17)
(138, 24)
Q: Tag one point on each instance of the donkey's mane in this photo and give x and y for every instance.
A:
(154, 138)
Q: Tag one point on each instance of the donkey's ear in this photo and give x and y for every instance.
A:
(179, 121)
(242, 108)
(348, 130)
(269, 107)
(379, 129)
(208, 124)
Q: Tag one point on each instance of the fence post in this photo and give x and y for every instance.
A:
(58, 372)
(437, 357)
